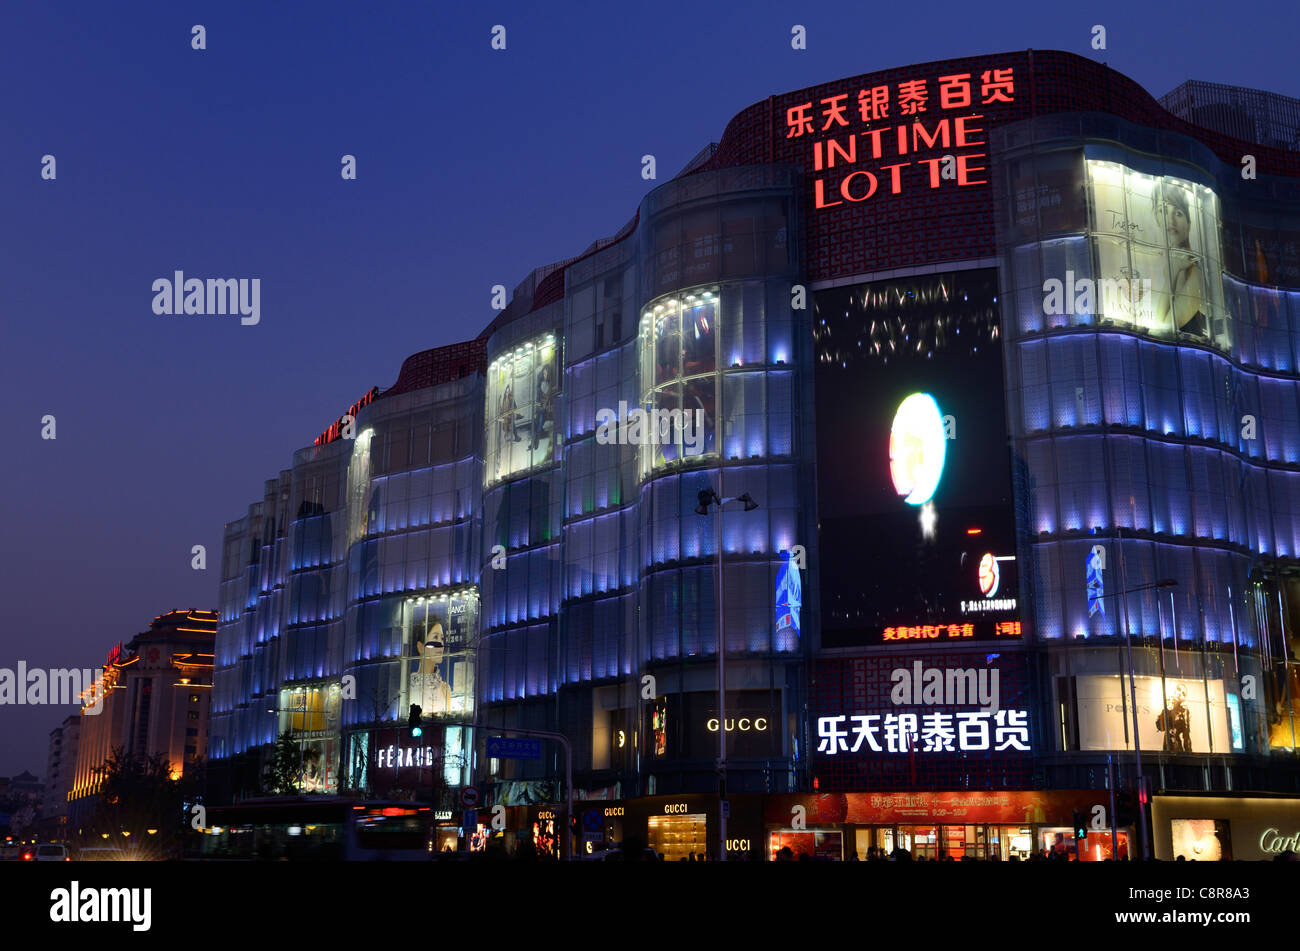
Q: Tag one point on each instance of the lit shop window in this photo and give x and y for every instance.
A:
(675, 421)
(1156, 258)
(523, 391)
(439, 657)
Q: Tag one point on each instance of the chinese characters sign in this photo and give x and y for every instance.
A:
(938, 719)
(935, 732)
(981, 631)
(916, 133)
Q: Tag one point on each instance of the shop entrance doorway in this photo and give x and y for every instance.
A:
(677, 838)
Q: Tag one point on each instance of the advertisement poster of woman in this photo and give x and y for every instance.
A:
(428, 685)
(1186, 303)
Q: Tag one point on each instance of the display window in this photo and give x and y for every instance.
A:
(921, 841)
(438, 633)
(446, 838)
(1011, 843)
(523, 390)
(679, 382)
(1055, 842)
(1157, 255)
(817, 844)
(677, 838)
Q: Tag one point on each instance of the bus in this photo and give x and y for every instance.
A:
(308, 828)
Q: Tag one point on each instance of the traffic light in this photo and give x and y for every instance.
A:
(413, 722)
(1080, 826)
(1125, 808)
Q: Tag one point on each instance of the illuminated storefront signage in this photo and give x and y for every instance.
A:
(335, 431)
(935, 732)
(986, 729)
(967, 630)
(396, 757)
(676, 808)
(613, 811)
(744, 724)
(899, 122)
(1273, 841)
(738, 845)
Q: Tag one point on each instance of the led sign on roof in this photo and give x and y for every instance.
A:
(899, 127)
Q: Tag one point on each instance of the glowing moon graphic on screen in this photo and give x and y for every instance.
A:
(916, 448)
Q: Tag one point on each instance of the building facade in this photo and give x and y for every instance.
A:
(155, 696)
(1253, 115)
(64, 741)
(964, 395)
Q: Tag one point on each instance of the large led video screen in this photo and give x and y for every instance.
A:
(917, 531)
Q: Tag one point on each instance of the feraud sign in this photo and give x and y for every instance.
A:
(915, 134)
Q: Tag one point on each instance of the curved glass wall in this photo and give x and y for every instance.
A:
(1154, 405)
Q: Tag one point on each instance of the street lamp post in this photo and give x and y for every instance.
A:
(1132, 688)
(708, 497)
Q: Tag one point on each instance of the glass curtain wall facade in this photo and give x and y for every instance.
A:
(1152, 345)
(679, 351)
(522, 549)
(348, 593)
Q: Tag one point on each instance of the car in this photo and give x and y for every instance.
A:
(10, 853)
(50, 852)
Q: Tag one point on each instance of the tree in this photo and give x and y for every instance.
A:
(136, 794)
(285, 768)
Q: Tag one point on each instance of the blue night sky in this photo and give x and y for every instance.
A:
(474, 167)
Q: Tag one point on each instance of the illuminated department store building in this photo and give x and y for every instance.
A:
(1004, 356)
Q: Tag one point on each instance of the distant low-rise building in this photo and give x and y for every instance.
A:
(62, 765)
(156, 695)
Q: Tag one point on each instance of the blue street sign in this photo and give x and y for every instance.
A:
(591, 820)
(501, 747)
